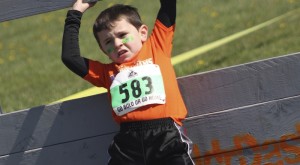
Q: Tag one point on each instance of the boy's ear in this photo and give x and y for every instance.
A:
(143, 32)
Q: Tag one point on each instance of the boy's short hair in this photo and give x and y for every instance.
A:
(106, 18)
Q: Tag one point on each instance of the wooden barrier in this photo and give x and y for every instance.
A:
(13, 9)
(246, 114)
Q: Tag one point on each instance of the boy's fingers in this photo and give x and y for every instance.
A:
(90, 1)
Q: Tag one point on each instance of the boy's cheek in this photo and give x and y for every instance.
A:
(127, 39)
(109, 50)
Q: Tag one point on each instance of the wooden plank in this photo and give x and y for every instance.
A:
(218, 90)
(241, 85)
(284, 152)
(91, 151)
(247, 131)
(54, 124)
(13, 9)
(231, 137)
(241, 102)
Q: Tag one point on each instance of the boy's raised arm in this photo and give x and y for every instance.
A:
(167, 12)
(70, 46)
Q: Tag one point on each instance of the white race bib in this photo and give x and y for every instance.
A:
(135, 87)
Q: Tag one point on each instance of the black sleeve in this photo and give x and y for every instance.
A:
(70, 45)
(167, 12)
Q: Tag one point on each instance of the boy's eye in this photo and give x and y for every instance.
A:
(122, 35)
(107, 42)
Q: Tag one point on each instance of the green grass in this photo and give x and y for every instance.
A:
(32, 73)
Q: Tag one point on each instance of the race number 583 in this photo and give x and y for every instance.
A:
(136, 88)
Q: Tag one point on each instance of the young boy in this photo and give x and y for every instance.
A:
(141, 82)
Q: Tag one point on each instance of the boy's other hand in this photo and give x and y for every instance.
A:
(81, 6)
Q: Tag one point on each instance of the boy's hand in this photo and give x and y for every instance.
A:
(82, 6)
(90, 1)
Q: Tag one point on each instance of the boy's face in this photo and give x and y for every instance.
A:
(123, 41)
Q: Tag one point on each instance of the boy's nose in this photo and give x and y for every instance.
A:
(118, 42)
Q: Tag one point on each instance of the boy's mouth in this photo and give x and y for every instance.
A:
(121, 52)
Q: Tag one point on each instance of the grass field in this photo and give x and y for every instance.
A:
(32, 73)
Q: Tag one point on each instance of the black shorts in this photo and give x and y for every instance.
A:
(154, 142)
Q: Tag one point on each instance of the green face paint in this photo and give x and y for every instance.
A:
(124, 41)
(127, 39)
(109, 50)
